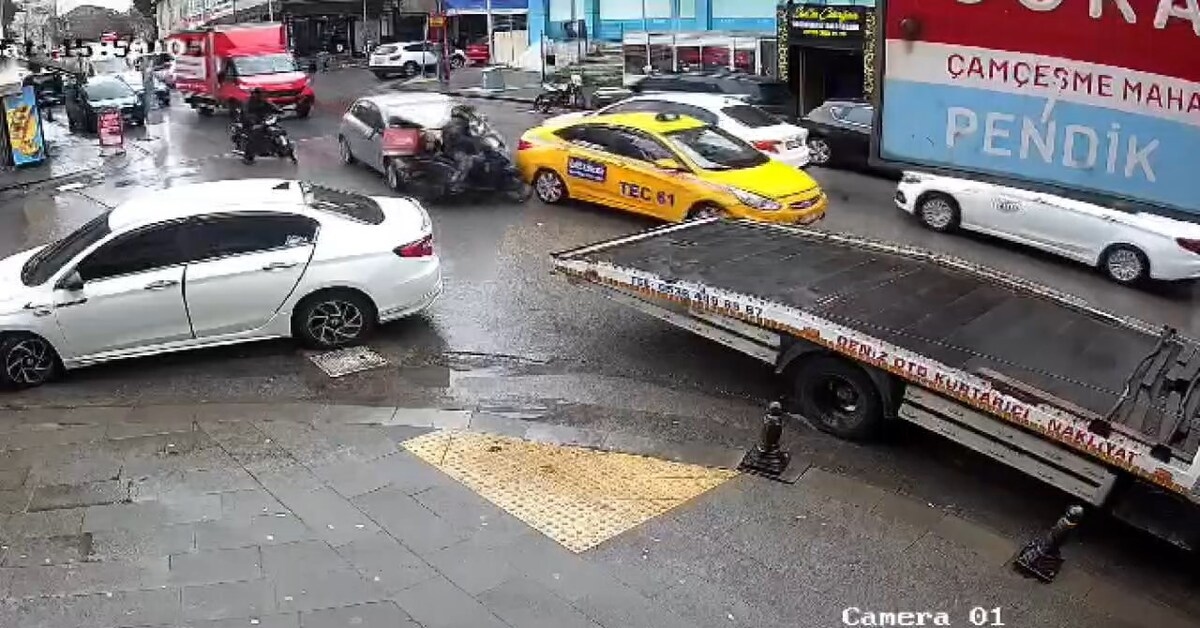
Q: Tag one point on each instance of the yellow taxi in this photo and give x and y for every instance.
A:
(666, 166)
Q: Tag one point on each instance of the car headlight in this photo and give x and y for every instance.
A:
(910, 177)
(756, 201)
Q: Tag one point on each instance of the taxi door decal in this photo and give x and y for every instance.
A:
(646, 190)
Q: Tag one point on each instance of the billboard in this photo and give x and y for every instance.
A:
(1094, 95)
(24, 127)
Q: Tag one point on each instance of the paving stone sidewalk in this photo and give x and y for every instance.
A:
(290, 516)
(71, 154)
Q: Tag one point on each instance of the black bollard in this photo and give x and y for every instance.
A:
(1041, 558)
(766, 458)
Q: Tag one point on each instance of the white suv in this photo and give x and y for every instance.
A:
(404, 58)
(407, 59)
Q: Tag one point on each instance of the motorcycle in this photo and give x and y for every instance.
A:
(563, 95)
(420, 165)
(274, 140)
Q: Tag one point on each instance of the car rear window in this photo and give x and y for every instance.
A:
(751, 116)
(345, 204)
(385, 50)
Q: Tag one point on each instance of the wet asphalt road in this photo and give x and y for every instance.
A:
(511, 338)
(503, 313)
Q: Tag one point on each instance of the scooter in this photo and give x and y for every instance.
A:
(563, 95)
(277, 143)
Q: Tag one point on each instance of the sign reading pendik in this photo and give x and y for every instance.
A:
(1098, 95)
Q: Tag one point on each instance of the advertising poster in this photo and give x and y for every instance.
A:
(1075, 94)
(108, 127)
(24, 127)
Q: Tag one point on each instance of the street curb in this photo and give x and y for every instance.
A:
(8, 187)
(475, 419)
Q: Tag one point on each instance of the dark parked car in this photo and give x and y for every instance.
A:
(762, 92)
(84, 102)
(839, 133)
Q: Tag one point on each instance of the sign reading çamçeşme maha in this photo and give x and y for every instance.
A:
(1101, 95)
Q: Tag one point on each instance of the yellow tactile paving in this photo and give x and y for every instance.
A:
(578, 497)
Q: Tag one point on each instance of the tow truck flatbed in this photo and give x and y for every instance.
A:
(1115, 391)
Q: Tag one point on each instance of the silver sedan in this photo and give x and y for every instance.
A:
(377, 130)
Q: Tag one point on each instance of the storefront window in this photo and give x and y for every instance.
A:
(635, 59)
(662, 58)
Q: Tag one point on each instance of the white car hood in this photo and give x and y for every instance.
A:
(14, 295)
(567, 117)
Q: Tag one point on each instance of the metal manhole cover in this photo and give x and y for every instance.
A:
(346, 361)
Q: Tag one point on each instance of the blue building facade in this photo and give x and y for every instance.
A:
(609, 20)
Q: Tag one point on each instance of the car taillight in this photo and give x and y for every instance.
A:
(420, 248)
(1189, 244)
(524, 145)
(767, 146)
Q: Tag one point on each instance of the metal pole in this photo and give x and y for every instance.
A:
(491, 32)
(270, 10)
(646, 32)
(364, 28)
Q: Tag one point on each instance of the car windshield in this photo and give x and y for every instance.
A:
(108, 89)
(110, 66)
(750, 116)
(266, 64)
(48, 261)
(711, 148)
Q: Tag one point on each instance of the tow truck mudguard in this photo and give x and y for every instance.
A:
(792, 350)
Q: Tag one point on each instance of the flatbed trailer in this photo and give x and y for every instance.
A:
(862, 332)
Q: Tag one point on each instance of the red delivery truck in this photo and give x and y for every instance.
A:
(218, 66)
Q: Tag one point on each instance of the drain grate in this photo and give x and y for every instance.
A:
(346, 361)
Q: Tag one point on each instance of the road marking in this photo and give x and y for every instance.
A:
(578, 497)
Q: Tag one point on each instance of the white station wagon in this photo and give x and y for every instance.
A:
(1128, 246)
(212, 264)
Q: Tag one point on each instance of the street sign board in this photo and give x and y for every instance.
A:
(108, 127)
(1100, 96)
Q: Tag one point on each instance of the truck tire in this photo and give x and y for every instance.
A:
(838, 396)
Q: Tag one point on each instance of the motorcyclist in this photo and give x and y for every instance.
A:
(462, 145)
(256, 111)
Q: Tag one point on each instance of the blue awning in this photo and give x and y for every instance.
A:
(481, 6)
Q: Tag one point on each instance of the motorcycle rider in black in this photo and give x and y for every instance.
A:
(463, 146)
(257, 109)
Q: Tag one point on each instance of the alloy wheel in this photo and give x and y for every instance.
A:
(937, 213)
(335, 322)
(29, 362)
(1124, 265)
(819, 151)
(549, 187)
(707, 211)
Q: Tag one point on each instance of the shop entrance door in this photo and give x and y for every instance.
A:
(829, 74)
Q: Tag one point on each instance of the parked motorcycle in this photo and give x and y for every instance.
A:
(562, 95)
(274, 140)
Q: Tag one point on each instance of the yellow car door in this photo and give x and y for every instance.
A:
(649, 187)
(587, 167)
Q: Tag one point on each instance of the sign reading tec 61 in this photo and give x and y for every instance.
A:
(1102, 95)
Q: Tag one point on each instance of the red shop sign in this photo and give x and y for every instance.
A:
(109, 128)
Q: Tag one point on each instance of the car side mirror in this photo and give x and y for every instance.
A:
(72, 282)
(668, 164)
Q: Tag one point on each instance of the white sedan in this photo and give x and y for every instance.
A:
(1126, 244)
(214, 264)
(774, 137)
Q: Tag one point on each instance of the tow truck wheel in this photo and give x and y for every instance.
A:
(838, 397)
